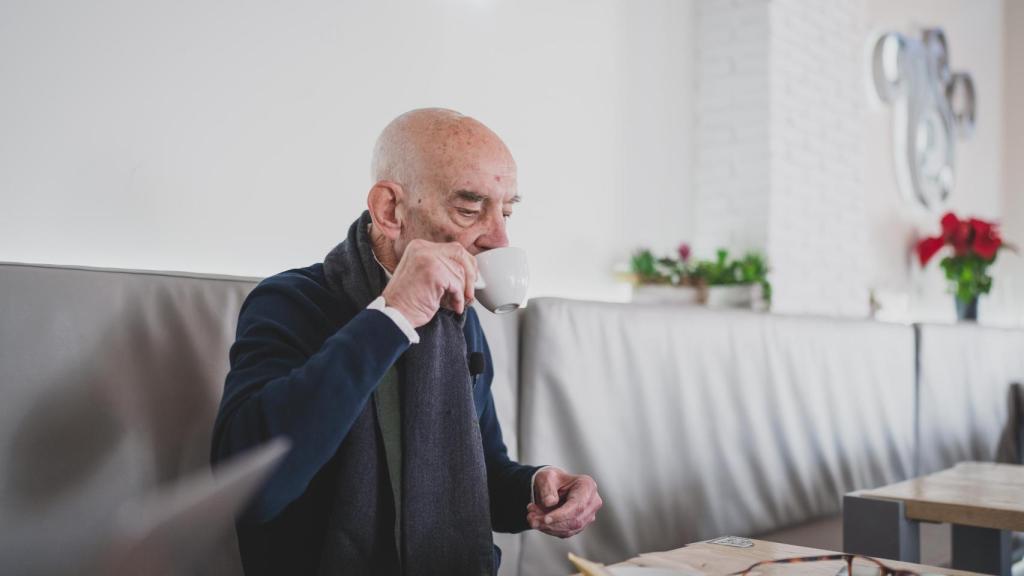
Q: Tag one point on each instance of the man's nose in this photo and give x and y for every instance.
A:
(495, 236)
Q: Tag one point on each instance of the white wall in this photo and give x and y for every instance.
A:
(795, 153)
(657, 40)
(733, 112)
(234, 137)
(974, 32)
(817, 211)
(1009, 289)
(779, 138)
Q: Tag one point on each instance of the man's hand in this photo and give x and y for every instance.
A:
(566, 503)
(429, 276)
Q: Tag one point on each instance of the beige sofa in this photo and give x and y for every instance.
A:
(694, 422)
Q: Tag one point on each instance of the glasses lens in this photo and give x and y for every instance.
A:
(861, 567)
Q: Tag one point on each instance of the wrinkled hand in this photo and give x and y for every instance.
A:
(429, 276)
(566, 503)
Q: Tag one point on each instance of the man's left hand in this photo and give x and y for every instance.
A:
(566, 503)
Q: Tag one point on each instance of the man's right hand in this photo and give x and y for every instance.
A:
(429, 276)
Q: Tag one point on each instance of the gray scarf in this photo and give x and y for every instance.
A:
(445, 508)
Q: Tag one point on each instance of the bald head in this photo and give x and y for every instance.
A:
(422, 148)
(440, 176)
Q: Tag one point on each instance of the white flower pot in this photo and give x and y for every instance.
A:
(665, 294)
(739, 296)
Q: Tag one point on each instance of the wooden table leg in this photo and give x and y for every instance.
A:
(879, 528)
(985, 550)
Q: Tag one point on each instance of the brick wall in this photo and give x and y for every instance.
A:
(780, 96)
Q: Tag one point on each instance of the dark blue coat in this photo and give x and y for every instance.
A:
(304, 365)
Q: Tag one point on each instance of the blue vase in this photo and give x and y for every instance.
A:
(967, 310)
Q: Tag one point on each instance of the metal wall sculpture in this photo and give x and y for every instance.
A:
(932, 106)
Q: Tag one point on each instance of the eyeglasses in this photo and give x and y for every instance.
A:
(855, 565)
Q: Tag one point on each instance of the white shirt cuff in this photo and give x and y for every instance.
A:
(533, 487)
(397, 317)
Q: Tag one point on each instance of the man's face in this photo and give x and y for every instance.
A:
(466, 195)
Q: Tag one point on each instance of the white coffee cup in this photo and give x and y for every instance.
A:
(503, 279)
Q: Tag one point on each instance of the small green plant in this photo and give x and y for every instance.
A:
(722, 271)
(718, 272)
(648, 269)
(968, 276)
(754, 270)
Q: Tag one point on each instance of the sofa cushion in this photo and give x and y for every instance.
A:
(110, 382)
(697, 423)
(966, 373)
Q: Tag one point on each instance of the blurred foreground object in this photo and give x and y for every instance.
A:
(168, 530)
(110, 382)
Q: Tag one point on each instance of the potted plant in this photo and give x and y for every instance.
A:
(734, 282)
(975, 244)
(663, 280)
(719, 282)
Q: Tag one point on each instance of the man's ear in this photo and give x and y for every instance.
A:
(384, 202)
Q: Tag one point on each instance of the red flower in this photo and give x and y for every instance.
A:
(957, 233)
(684, 252)
(986, 239)
(928, 247)
(949, 225)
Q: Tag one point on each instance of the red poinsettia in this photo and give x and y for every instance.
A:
(928, 247)
(971, 236)
(957, 233)
(986, 239)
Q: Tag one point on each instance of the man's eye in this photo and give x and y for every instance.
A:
(507, 215)
(468, 212)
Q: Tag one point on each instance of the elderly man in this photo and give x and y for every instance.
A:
(398, 464)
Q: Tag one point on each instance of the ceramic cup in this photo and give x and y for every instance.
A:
(503, 278)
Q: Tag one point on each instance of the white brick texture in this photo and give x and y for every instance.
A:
(779, 135)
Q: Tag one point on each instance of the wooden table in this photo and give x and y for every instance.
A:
(716, 559)
(983, 501)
